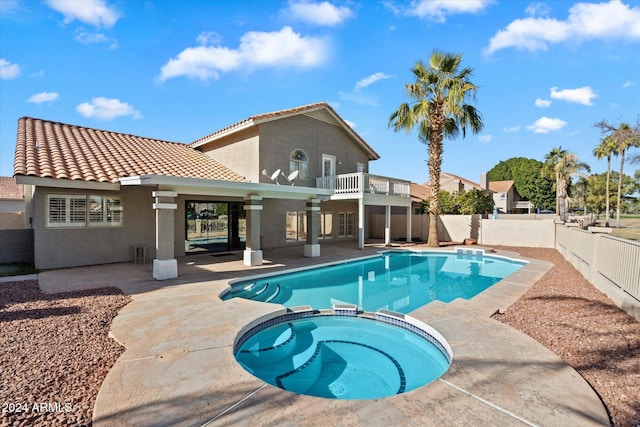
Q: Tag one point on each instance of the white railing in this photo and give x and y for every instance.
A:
(602, 259)
(360, 182)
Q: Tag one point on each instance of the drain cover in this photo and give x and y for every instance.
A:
(337, 389)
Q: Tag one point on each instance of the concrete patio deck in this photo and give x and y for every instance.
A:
(178, 368)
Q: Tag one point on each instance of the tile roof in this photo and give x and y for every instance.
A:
(447, 178)
(48, 149)
(9, 189)
(312, 110)
(419, 192)
(500, 186)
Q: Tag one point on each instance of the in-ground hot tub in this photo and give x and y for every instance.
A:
(343, 354)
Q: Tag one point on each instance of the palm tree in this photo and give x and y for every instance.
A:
(438, 109)
(623, 137)
(562, 165)
(606, 149)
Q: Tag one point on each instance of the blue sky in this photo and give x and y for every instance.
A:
(179, 70)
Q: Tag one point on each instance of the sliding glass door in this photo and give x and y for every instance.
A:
(214, 226)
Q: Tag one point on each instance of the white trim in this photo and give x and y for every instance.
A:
(164, 194)
(252, 207)
(66, 183)
(165, 206)
(199, 186)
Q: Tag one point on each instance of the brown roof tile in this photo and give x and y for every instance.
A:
(9, 189)
(500, 186)
(62, 151)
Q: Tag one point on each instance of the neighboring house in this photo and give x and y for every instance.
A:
(13, 198)
(507, 199)
(296, 176)
(455, 184)
(419, 195)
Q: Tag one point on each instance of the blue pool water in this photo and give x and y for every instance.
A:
(342, 357)
(398, 281)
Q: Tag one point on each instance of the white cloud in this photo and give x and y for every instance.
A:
(586, 21)
(537, 9)
(105, 108)
(277, 49)
(628, 83)
(512, 129)
(89, 38)
(367, 81)
(351, 124)
(323, 13)
(8, 70)
(92, 12)
(582, 95)
(546, 125)
(542, 103)
(485, 138)
(438, 10)
(41, 97)
(208, 38)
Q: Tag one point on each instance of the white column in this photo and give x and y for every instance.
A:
(312, 247)
(253, 252)
(360, 223)
(165, 266)
(409, 231)
(387, 225)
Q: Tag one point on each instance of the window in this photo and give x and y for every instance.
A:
(66, 210)
(72, 210)
(328, 165)
(105, 211)
(325, 225)
(299, 162)
(347, 224)
(296, 228)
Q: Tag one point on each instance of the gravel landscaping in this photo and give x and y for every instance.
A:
(569, 316)
(56, 351)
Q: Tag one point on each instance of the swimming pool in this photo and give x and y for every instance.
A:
(344, 355)
(401, 281)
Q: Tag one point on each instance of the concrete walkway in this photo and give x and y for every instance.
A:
(179, 369)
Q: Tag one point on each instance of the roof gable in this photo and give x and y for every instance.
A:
(500, 186)
(48, 149)
(319, 111)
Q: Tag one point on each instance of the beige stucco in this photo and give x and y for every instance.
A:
(75, 246)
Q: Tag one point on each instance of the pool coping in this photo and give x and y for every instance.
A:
(179, 368)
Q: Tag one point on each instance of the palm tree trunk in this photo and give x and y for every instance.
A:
(606, 222)
(619, 189)
(435, 167)
(436, 122)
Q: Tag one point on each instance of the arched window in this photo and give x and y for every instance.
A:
(299, 162)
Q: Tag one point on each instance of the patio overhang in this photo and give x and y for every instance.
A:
(213, 187)
(66, 183)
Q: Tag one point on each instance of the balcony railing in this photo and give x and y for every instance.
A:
(360, 182)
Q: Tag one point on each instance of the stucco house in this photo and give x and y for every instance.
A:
(292, 177)
(507, 199)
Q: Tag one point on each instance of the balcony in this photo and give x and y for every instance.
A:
(360, 183)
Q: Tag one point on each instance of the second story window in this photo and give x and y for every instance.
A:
(299, 162)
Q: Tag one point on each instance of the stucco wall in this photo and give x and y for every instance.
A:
(279, 138)
(451, 228)
(513, 232)
(240, 153)
(69, 247)
(17, 246)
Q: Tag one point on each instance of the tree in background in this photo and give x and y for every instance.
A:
(470, 202)
(622, 137)
(562, 165)
(606, 149)
(439, 109)
(527, 177)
